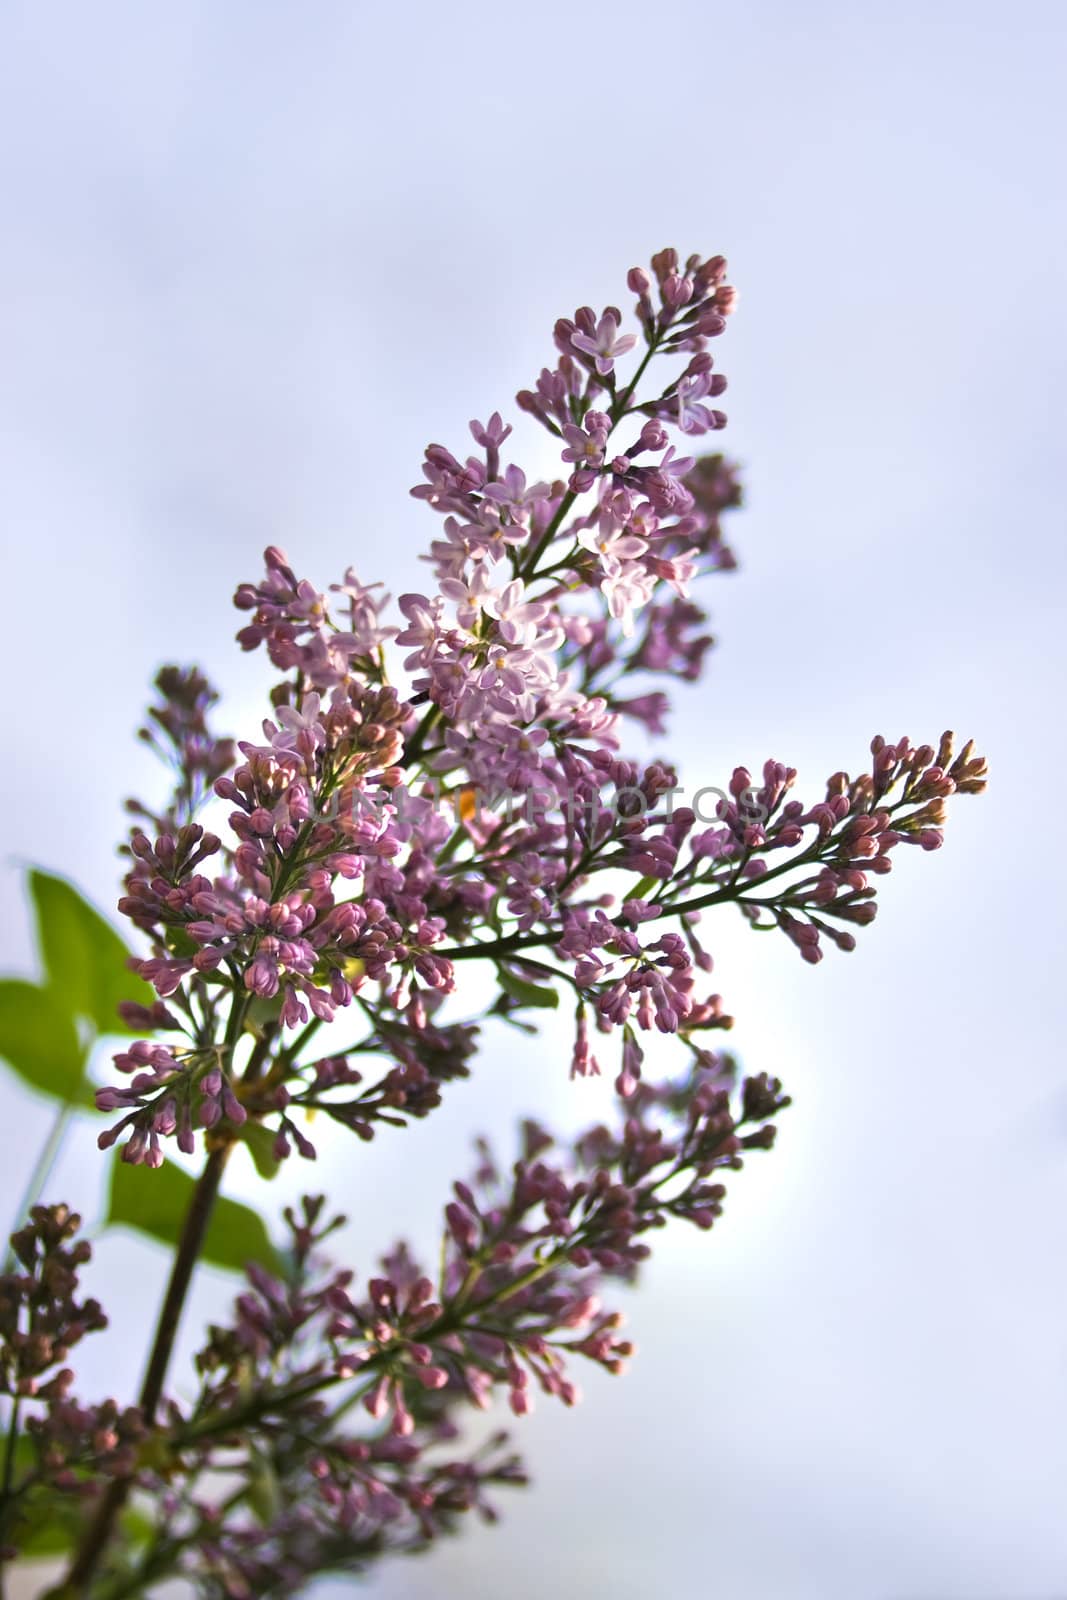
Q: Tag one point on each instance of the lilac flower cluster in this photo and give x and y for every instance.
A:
(70, 1445)
(332, 1412)
(348, 881)
(358, 864)
(177, 729)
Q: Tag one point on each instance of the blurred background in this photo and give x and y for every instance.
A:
(254, 257)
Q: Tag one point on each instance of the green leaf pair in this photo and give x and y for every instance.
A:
(47, 1031)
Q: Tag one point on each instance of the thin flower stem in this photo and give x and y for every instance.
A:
(618, 406)
(40, 1175)
(733, 892)
(189, 1247)
(617, 412)
(551, 972)
(6, 1497)
(419, 737)
(530, 569)
(306, 1034)
(456, 1316)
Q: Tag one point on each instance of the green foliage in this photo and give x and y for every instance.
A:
(39, 1041)
(260, 1143)
(156, 1203)
(47, 1029)
(49, 1522)
(84, 959)
(264, 1490)
(521, 989)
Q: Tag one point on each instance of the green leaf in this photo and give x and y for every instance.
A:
(85, 961)
(530, 994)
(262, 1010)
(260, 1142)
(180, 943)
(39, 1040)
(49, 1522)
(264, 1491)
(156, 1203)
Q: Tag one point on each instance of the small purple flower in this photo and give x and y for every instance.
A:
(691, 416)
(605, 346)
(585, 449)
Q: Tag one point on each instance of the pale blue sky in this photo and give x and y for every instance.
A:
(253, 257)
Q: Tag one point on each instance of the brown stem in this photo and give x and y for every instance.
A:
(194, 1228)
(190, 1244)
